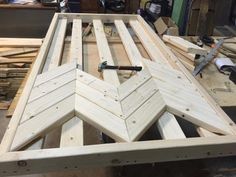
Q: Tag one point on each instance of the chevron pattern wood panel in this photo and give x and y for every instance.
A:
(64, 94)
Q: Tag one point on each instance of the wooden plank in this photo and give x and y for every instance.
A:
(72, 133)
(169, 127)
(151, 110)
(52, 85)
(56, 48)
(116, 154)
(205, 133)
(17, 51)
(12, 127)
(76, 42)
(104, 120)
(37, 126)
(184, 45)
(8, 61)
(134, 55)
(20, 42)
(190, 56)
(72, 130)
(42, 103)
(89, 17)
(151, 49)
(105, 53)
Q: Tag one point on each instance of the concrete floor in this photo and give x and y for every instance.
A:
(218, 167)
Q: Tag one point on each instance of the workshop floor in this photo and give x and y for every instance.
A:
(218, 167)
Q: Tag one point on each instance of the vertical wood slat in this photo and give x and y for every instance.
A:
(16, 118)
(76, 48)
(54, 56)
(105, 53)
(169, 127)
(167, 123)
(72, 130)
(134, 55)
(56, 48)
(150, 47)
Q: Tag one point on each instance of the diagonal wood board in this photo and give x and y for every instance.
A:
(66, 95)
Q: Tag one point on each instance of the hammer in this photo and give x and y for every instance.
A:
(104, 65)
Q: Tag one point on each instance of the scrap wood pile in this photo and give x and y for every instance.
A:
(186, 51)
(16, 57)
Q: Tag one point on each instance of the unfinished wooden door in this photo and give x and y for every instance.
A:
(65, 95)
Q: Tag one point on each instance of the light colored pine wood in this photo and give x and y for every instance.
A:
(182, 100)
(134, 55)
(169, 127)
(54, 58)
(20, 42)
(136, 58)
(49, 99)
(176, 90)
(56, 48)
(125, 153)
(151, 110)
(72, 133)
(189, 56)
(37, 126)
(205, 133)
(17, 51)
(76, 42)
(105, 53)
(184, 45)
(12, 127)
(104, 120)
(72, 130)
(151, 49)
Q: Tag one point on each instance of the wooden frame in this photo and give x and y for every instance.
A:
(68, 96)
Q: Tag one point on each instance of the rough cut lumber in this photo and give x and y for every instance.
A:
(190, 56)
(20, 42)
(184, 45)
(17, 51)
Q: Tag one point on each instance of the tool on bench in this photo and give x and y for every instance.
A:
(204, 60)
(104, 65)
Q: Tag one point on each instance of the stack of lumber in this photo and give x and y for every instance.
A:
(16, 57)
(184, 50)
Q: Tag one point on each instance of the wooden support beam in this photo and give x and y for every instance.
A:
(56, 49)
(145, 39)
(104, 52)
(134, 55)
(169, 127)
(72, 131)
(115, 154)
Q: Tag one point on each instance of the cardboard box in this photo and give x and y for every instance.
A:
(164, 25)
